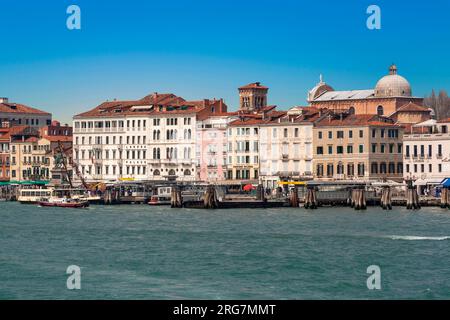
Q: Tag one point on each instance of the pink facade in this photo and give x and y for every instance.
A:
(212, 148)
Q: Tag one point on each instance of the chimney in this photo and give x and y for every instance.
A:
(3, 100)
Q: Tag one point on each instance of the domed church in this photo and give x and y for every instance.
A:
(391, 97)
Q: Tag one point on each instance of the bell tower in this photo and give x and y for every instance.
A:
(252, 97)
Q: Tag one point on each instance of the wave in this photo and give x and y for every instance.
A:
(419, 238)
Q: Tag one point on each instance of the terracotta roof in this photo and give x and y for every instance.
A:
(255, 85)
(444, 120)
(412, 107)
(20, 108)
(157, 103)
(355, 120)
(58, 138)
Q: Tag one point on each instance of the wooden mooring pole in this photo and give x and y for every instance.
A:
(412, 198)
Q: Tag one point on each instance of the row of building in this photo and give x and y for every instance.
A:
(383, 133)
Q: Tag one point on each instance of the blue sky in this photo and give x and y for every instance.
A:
(206, 49)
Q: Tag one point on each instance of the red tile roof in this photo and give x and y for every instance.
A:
(355, 120)
(157, 104)
(20, 108)
(255, 85)
(412, 107)
(58, 138)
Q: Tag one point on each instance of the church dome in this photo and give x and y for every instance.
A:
(393, 85)
(318, 90)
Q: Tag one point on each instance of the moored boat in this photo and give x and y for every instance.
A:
(64, 203)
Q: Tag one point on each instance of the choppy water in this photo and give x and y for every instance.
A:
(143, 252)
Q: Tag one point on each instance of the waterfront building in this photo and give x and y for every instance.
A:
(153, 138)
(20, 114)
(286, 149)
(36, 157)
(427, 153)
(243, 133)
(4, 152)
(366, 147)
(391, 97)
(211, 146)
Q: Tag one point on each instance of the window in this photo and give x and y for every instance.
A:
(361, 169)
(374, 133)
(374, 168)
(330, 149)
(361, 148)
(330, 170)
(319, 150)
(361, 133)
(350, 169)
(319, 170)
(340, 134)
(374, 147)
(330, 134)
(439, 167)
(407, 151)
(349, 149)
(339, 149)
(350, 134)
(380, 110)
(320, 134)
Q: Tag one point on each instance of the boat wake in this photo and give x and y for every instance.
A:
(419, 238)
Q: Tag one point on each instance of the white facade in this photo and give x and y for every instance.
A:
(427, 152)
(243, 152)
(146, 147)
(286, 152)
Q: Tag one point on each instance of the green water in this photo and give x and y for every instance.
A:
(143, 252)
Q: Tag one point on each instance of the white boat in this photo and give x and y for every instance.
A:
(33, 195)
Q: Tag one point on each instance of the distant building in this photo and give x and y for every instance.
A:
(366, 147)
(427, 152)
(391, 97)
(4, 152)
(20, 114)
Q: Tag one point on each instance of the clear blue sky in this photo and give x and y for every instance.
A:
(205, 49)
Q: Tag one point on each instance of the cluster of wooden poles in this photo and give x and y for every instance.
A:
(210, 198)
(412, 198)
(311, 201)
(176, 200)
(445, 198)
(386, 199)
(358, 199)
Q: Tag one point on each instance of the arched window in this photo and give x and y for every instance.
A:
(156, 173)
(187, 172)
(351, 110)
(383, 168)
(374, 168)
(340, 168)
(380, 110)
(171, 172)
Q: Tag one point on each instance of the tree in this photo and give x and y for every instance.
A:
(440, 104)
